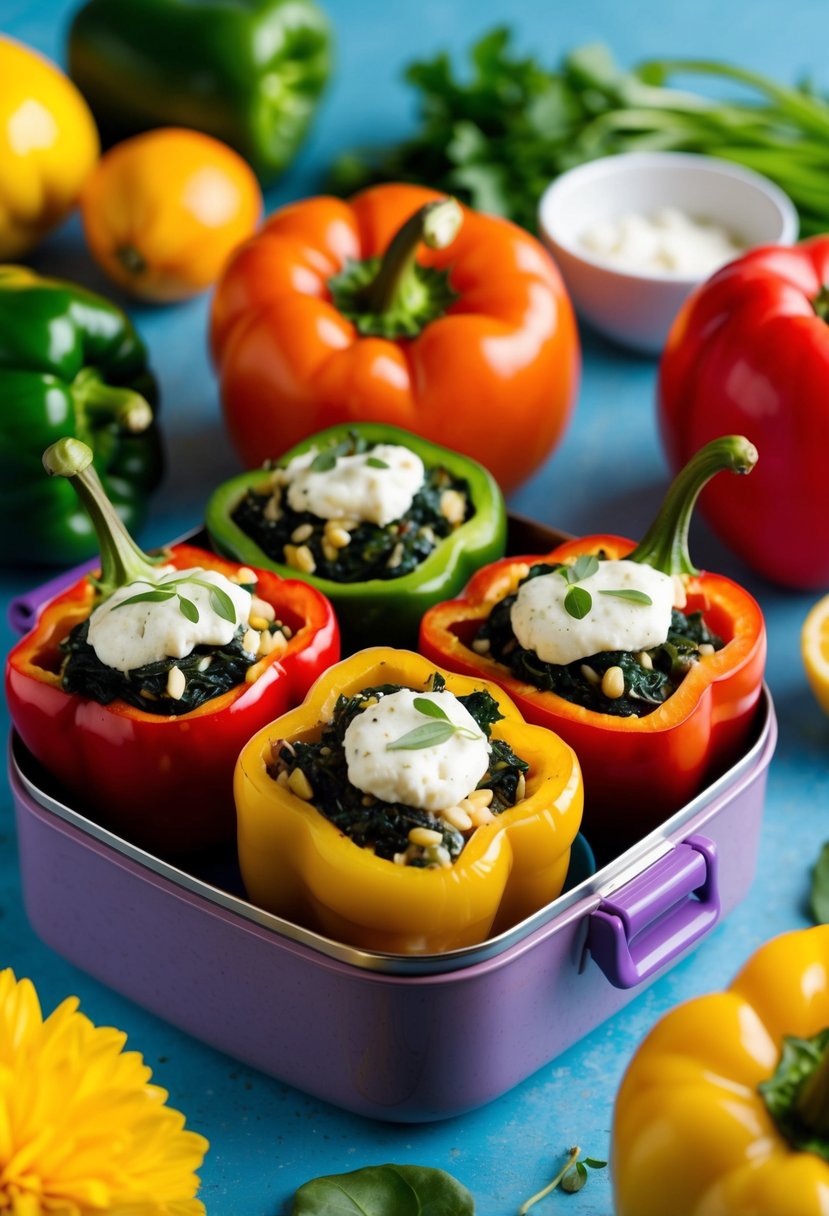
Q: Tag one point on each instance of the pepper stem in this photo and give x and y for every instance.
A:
(96, 400)
(122, 561)
(396, 287)
(812, 1101)
(665, 544)
(821, 303)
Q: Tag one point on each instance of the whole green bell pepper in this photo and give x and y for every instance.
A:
(378, 610)
(71, 363)
(249, 73)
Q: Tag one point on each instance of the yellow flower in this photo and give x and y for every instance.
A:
(82, 1130)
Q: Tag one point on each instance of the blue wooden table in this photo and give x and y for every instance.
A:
(266, 1139)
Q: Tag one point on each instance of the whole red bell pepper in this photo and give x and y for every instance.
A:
(164, 782)
(399, 306)
(637, 770)
(749, 352)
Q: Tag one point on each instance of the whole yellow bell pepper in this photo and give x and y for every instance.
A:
(296, 863)
(48, 144)
(724, 1110)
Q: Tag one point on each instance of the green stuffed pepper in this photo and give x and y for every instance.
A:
(249, 73)
(71, 363)
(381, 521)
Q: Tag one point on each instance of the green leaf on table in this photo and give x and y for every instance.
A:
(819, 893)
(385, 1190)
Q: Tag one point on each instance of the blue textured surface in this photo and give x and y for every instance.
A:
(267, 1139)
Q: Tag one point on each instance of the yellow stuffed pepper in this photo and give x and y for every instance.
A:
(405, 809)
(724, 1110)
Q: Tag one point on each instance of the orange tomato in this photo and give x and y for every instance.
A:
(162, 212)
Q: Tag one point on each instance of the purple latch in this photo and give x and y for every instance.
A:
(24, 609)
(644, 925)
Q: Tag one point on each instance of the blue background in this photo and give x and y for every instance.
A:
(267, 1139)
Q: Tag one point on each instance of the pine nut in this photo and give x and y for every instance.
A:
(457, 817)
(613, 683)
(176, 684)
(300, 557)
(337, 536)
(278, 642)
(424, 837)
(480, 815)
(705, 648)
(520, 787)
(644, 660)
(396, 557)
(260, 607)
(245, 575)
(439, 857)
(589, 674)
(250, 642)
(328, 551)
(453, 506)
(481, 645)
(299, 784)
(302, 533)
(272, 511)
(258, 623)
(480, 797)
(680, 595)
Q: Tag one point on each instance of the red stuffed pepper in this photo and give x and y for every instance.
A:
(665, 700)
(146, 739)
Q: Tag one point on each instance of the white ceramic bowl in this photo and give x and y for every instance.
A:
(637, 308)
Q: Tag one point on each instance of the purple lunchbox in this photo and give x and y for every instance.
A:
(387, 1036)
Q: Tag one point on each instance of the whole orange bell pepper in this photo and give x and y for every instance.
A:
(398, 307)
(297, 863)
(724, 1109)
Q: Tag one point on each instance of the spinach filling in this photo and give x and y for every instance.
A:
(648, 683)
(371, 552)
(208, 671)
(385, 826)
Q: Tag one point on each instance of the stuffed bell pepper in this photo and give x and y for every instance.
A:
(137, 688)
(724, 1109)
(648, 667)
(71, 364)
(405, 809)
(382, 522)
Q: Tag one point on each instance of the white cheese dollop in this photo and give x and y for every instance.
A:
(667, 241)
(541, 623)
(433, 778)
(356, 488)
(130, 636)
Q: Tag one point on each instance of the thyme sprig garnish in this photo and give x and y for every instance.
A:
(430, 734)
(578, 602)
(571, 1177)
(220, 601)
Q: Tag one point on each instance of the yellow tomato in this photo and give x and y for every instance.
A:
(48, 144)
(162, 212)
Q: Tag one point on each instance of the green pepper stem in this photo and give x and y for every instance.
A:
(821, 303)
(665, 544)
(435, 225)
(122, 561)
(96, 400)
(812, 1101)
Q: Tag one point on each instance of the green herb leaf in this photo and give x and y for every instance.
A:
(630, 594)
(578, 602)
(819, 893)
(594, 1163)
(424, 706)
(146, 597)
(324, 461)
(430, 734)
(574, 1179)
(385, 1190)
(222, 604)
(374, 462)
(584, 566)
(188, 609)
